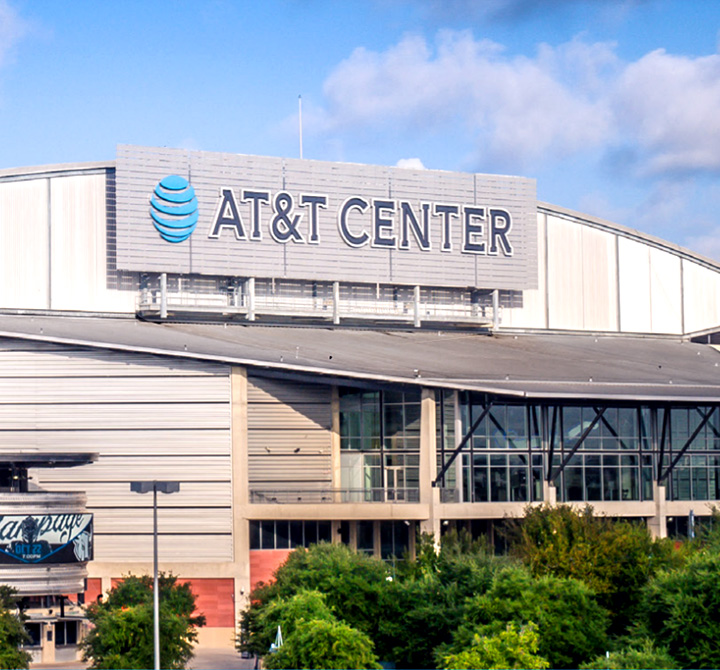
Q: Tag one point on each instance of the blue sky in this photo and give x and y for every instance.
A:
(612, 105)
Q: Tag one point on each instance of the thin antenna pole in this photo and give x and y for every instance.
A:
(300, 123)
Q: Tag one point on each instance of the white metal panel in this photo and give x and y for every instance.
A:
(701, 295)
(24, 254)
(287, 441)
(23, 361)
(112, 416)
(170, 519)
(180, 442)
(78, 254)
(262, 389)
(40, 391)
(196, 548)
(295, 417)
(147, 417)
(635, 297)
(532, 314)
(599, 277)
(665, 292)
(103, 495)
(122, 468)
(564, 274)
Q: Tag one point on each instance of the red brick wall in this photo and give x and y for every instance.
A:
(93, 590)
(215, 599)
(264, 562)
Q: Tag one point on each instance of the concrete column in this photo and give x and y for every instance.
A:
(429, 495)
(657, 525)
(48, 642)
(335, 444)
(240, 488)
(549, 492)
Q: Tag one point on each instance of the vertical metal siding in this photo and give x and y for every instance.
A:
(79, 247)
(24, 277)
(635, 296)
(564, 274)
(599, 279)
(666, 288)
(701, 288)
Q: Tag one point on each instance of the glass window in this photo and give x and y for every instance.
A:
(365, 537)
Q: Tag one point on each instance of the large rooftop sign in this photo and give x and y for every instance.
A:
(224, 214)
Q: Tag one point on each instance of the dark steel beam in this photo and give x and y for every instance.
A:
(465, 440)
(578, 444)
(686, 446)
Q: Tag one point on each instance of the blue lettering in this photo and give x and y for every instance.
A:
(350, 239)
(409, 220)
(314, 201)
(284, 226)
(446, 211)
(228, 216)
(381, 224)
(256, 197)
(500, 224)
(472, 229)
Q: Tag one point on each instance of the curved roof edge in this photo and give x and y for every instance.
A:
(39, 171)
(625, 231)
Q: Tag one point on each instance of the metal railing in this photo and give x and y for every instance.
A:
(152, 301)
(315, 496)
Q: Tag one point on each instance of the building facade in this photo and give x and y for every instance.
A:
(341, 353)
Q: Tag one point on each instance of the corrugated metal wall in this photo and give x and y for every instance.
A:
(597, 279)
(289, 435)
(148, 418)
(54, 247)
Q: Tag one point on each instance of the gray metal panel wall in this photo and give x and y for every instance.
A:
(140, 248)
(148, 418)
(289, 438)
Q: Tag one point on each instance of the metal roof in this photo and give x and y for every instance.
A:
(610, 367)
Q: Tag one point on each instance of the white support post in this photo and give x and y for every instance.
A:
(416, 307)
(496, 309)
(250, 287)
(163, 296)
(336, 302)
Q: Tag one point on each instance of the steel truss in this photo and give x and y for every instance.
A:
(546, 429)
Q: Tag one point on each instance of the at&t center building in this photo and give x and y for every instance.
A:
(334, 352)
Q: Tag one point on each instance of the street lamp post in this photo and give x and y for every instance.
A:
(163, 487)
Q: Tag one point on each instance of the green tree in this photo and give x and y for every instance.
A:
(324, 644)
(510, 648)
(680, 608)
(12, 632)
(637, 655)
(425, 603)
(122, 633)
(570, 622)
(615, 558)
(352, 584)
(288, 613)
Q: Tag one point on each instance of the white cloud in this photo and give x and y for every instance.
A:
(659, 114)
(410, 164)
(519, 109)
(12, 30)
(670, 107)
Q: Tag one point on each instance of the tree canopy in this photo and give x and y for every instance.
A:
(122, 633)
(12, 632)
(576, 590)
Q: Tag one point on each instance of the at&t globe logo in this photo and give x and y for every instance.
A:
(174, 209)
